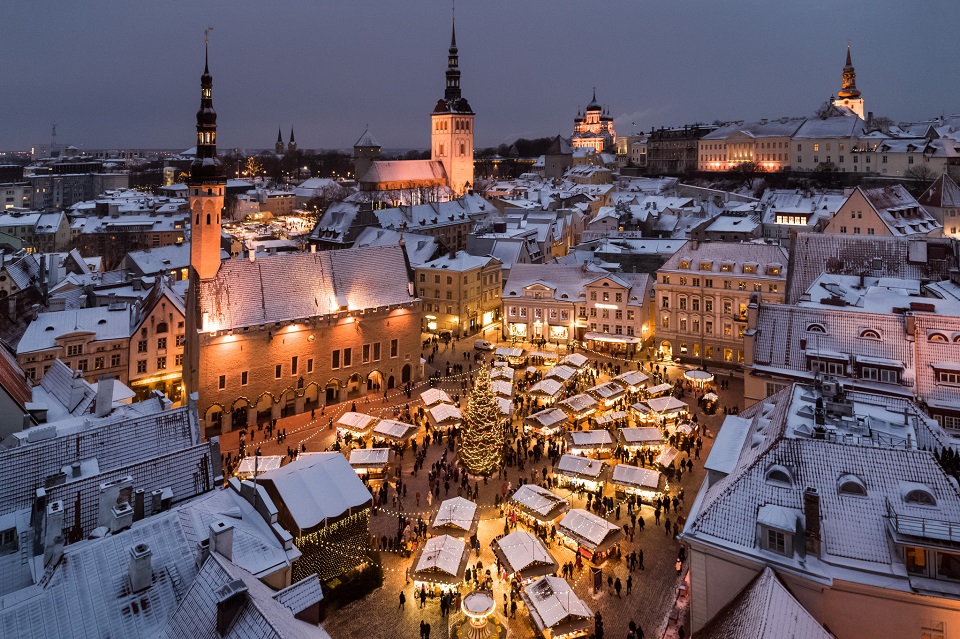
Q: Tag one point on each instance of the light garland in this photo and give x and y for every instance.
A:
(352, 531)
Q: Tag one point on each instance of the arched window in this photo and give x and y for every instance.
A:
(921, 497)
(816, 328)
(162, 327)
(851, 485)
(198, 218)
(869, 333)
(937, 337)
(208, 218)
(779, 475)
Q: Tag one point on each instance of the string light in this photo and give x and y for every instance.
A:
(484, 435)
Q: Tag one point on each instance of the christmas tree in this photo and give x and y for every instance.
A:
(481, 449)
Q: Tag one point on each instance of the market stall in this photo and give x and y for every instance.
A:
(659, 389)
(391, 430)
(502, 388)
(643, 482)
(590, 535)
(699, 378)
(524, 555)
(510, 354)
(666, 458)
(556, 612)
(591, 443)
(710, 403)
(444, 415)
(434, 396)
(356, 424)
(546, 389)
(631, 381)
(502, 372)
(257, 465)
(506, 406)
(579, 406)
(440, 563)
(544, 357)
(577, 360)
(562, 373)
(457, 517)
(659, 410)
(546, 422)
(607, 394)
(614, 418)
(371, 463)
(578, 471)
(537, 504)
(634, 439)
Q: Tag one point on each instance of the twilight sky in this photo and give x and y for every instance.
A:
(126, 74)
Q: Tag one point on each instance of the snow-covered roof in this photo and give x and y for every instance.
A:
(646, 436)
(546, 387)
(105, 322)
(597, 438)
(522, 552)
(562, 372)
(445, 414)
(441, 558)
(631, 380)
(258, 464)
(420, 248)
(555, 607)
(404, 171)
(635, 477)
(502, 387)
(392, 429)
(366, 139)
(540, 501)
(728, 444)
(369, 457)
(577, 466)
(433, 396)
(665, 404)
(574, 359)
(589, 530)
(547, 418)
(579, 404)
(318, 489)
(357, 422)
(159, 260)
(457, 513)
(607, 391)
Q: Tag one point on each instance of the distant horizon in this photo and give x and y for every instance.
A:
(328, 70)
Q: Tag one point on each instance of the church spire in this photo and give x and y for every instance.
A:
(848, 88)
(206, 168)
(452, 91)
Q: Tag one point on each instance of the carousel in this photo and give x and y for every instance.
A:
(480, 620)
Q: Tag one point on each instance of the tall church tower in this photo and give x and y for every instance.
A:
(848, 95)
(278, 147)
(206, 186)
(293, 142)
(452, 134)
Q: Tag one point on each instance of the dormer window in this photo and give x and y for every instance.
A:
(773, 270)
(851, 485)
(779, 475)
(816, 328)
(706, 266)
(749, 268)
(726, 267)
(921, 497)
(684, 263)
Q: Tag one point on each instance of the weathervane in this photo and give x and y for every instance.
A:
(206, 34)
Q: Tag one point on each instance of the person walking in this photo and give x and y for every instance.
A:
(640, 558)
(423, 596)
(666, 527)
(618, 586)
(423, 627)
(426, 631)
(403, 600)
(629, 584)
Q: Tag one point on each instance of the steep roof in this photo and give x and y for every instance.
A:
(13, 380)
(106, 322)
(366, 139)
(301, 285)
(387, 171)
(944, 194)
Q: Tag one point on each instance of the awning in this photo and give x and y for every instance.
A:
(619, 339)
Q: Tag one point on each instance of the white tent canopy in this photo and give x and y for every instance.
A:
(581, 467)
(667, 456)
(356, 422)
(562, 372)
(369, 457)
(575, 359)
(457, 514)
(635, 477)
(540, 502)
(502, 372)
(394, 430)
(250, 465)
(589, 530)
(433, 396)
(445, 415)
(523, 553)
(631, 380)
(442, 559)
(546, 388)
(554, 608)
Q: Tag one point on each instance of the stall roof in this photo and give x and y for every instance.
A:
(502, 387)
(580, 466)
(445, 413)
(458, 513)
(540, 501)
(522, 551)
(262, 464)
(433, 396)
(596, 533)
(508, 351)
(553, 605)
(392, 429)
(580, 404)
(607, 391)
(641, 436)
(562, 372)
(660, 388)
(504, 372)
(575, 359)
(667, 456)
(547, 387)
(591, 438)
(357, 422)
(632, 380)
(635, 477)
(611, 417)
(442, 558)
(506, 406)
(665, 404)
(364, 457)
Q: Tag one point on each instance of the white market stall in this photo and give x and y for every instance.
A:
(545, 357)
(510, 354)
(577, 360)
(659, 389)
(393, 431)
(596, 443)
(524, 555)
(537, 504)
(644, 482)
(555, 610)
(546, 422)
(698, 377)
(631, 381)
(615, 417)
(502, 372)
(371, 463)
(547, 388)
(440, 563)
(588, 534)
(506, 406)
(434, 396)
(357, 424)
(444, 415)
(607, 394)
(561, 372)
(579, 406)
(657, 409)
(502, 388)
(457, 517)
(580, 471)
(634, 439)
(254, 465)
(667, 457)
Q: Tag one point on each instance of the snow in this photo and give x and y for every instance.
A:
(631, 380)
(546, 387)
(369, 457)
(577, 466)
(660, 388)
(648, 436)
(584, 526)
(547, 418)
(635, 477)
(356, 422)
(392, 429)
(444, 554)
(777, 517)
(598, 438)
(576, 360)
(522, 550)
(539, 500)
(667, 456)
(665, 404)
(433, 396)
(581, 404)
(457, 513)
(259, 465)
(445, 414)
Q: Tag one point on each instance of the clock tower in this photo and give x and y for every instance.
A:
(452, 128)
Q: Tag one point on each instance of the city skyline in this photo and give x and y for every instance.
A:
(328, 72)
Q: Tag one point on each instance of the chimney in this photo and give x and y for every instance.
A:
(230, 600)
(203, 552)
(77, 390)
(104, 395)
(122, 517)
(53, 533)
(75, 469)
(811, 512)
(221, 538)
(313, 248)
(37, 518)
(138, 507)
(141, 567)
(252, 253)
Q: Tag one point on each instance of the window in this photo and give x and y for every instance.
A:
(161, 343)
(921, 497)
(334, 361)
(141, 366)
(222, 382)
(82, 365)
(75, 349)
(98, 363)
(310, 365)
(665, 302)
(365, 353)
(293, 365)
(512, 311)
(776, 541)
(630, 315)
(618, 297)
(394, 348)
(180, 340)
(376, 351)
(665, 279)
(142, 346)
(115, 360)
(852, 486)
(708, 327)
(683, 303)
(665, 321)
(347, 357)
(593, 296)
(708, 305)
(161, 328)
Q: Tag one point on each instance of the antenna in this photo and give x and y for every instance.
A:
(53, 139)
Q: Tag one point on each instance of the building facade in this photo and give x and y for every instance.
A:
(460, 293)
(675, 151)
(593, 129)
(702, 295)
